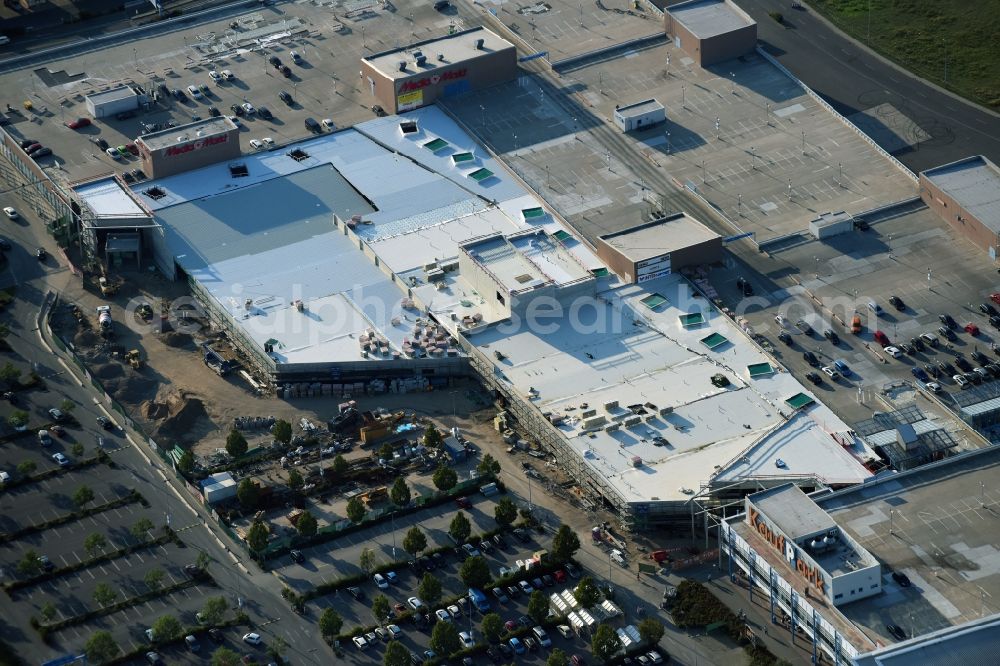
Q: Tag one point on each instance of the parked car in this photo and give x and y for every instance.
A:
(972, 329)
(228, 75)
(814, 378)
(832, 336)
(897, 302)
(810, 358)
(896, 631)
(286, 98)
(379, 111)
(194, 92)
(79, 123)
(252, 638)
(785, 337)
(248, 108)
(11, 213)
(238, 110)
(62, 460)
(830, 372)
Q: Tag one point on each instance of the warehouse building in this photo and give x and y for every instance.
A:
(966, 194)
(413, 76)
(915, 550)
(710, 31)
(190, 146)
(659, 247)
(110, 103)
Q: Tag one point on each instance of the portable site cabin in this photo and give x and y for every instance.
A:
(570, 600)
(557, 605)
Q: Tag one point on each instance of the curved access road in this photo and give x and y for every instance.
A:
(852, 79)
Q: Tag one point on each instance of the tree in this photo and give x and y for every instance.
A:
(76, 449)
(400, 492)
(257, 536)
(444, 639)
(295, 480)
(444, 477)
(101, 647)
(475, 572)
(505, 512)
(26, 467)
(214, 610)
(203, 560)
(236, 443)
(430, 589)
(83, 495)
(565, 544)
(432, 437)
(93, 543)
(460, 528)
(367, 560)
(538, 606)
(414, 541)
(306, 524)
(18, 418)
(248, 493)
(167, 628)
(396, 655)
(48, 611)
(355, 510)
(605, 643)
(380, 608)
(154, 579)
(282, 431)
(385, 452)
(651, 630)
(330, 623)
(141, 529)
(488, 465)
(493, 628)
(223, 656)
(104, 594)
(339, 465)
(586, 592)
(9, 374)
(186, 462)
(29, 565)
(67, 405)
(557, 658)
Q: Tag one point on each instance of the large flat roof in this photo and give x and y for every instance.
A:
(114, 94)
(709, 18)
(943, 537)
(792, 511)
(182, 133)
(108, 198)
(596, 354)
(975, 184)
(658, 237)
(441, 52)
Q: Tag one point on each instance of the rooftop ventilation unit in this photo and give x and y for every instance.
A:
(421, 61)
(440, 57)
(632, 421)
(238, 170)
(408, 126)
(298, 154)
(611, 405)
(155, 193)
(611, 427)
(479, 44)
(418, 54)
(402, 65)
(587, 414)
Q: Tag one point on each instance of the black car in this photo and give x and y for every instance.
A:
(5, 245)
(572, 570)
(128, 177)
(214, 112)
(216, 635)
(179, 95)
(499, 541)
(506, 650)
(356, 593)
(105, 423)
(917, 343)
(832, 336)
(275, 61)
(379, 111)
(810, 358)
(192, 569)
(41, 254)
(946, 367)
(438, 560)
(442, 5)
(901, 578)
(948, 333)
(100, 143)
(286, 71)
(297, 556)
(522, 535)
(548, 580)
(896, 631)
(26, 143)
(963, 364)
(988, 309)
(995, 321)
(264, 112)
(933, 370)
(138, 174)
(46, 563)
(44, 151)
(286, 98)
(238, 110)
(947, 320)
(980, 357)
(814, 378)
(494, 654)
(897, 303)
(785, 337)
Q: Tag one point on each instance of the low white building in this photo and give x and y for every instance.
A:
(639, 116)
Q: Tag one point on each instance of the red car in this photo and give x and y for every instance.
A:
(560, 576)
(995, 298)
(78, 123)
(510, 625)
(972, 329)
(131, 147)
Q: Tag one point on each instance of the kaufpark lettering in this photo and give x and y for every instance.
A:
(787, 548)
(196, 145)
(432, 80)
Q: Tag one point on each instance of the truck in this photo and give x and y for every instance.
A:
(104, 317)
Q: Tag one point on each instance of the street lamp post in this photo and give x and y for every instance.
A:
(668, 142)
(733, 89)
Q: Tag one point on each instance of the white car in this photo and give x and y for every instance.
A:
(268, 142)
(395, 633)
(455, 610)
(215, 75)
(257, 145)
(415, 603)
(194, 92)
(56, 414)
(360, 642)
(113, 154)
(380, 580)
(830, 372)
(328, 124)
(295, 56)
(229, 76)
(61, 459)
(892, 351)
(10, 213)
(236, 120)
(442, 615)
(466, 638)
(961, 381)
(505, 571)
(252, 638)
(654, 657)
(933, 387)
(248, 107)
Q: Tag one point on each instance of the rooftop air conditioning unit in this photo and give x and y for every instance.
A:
(611, 405)
(402, 65)
(421, 61)
(479, 44)
(588, 413)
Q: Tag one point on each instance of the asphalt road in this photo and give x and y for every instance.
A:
(853, 79)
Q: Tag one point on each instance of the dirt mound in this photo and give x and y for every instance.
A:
(109, 371)
(177, 340)
(154, 411)
(131, 390)
(182, 416)
(86, 339)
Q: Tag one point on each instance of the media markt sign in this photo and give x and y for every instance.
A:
(196, 145)
(787, 548)
(420, 84)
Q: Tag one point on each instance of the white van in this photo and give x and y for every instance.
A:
(618, 557)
